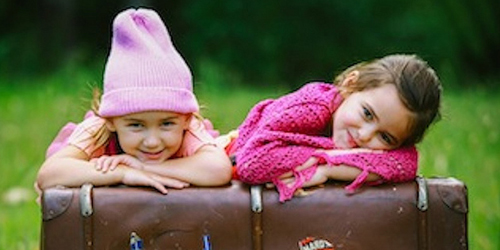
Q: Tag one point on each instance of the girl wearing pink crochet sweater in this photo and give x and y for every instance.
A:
(363, 128)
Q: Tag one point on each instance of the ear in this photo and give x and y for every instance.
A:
(351, 78)
(110, 126)
(346, 86)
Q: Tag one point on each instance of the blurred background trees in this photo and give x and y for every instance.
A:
(286, 42)
(52, 50)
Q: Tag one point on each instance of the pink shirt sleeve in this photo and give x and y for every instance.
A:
(83, 136)
(196, 136)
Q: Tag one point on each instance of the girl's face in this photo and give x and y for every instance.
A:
(152, 137)
(373, 118)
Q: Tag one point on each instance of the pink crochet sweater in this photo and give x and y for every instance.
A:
(279, 135)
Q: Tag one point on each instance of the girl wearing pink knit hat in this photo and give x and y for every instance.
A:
(362, 128)
(144, 129)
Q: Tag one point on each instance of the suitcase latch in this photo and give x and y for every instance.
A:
(86, 209)
(423, 202)
(256, 198)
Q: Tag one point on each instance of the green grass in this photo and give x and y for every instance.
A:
(465, 144)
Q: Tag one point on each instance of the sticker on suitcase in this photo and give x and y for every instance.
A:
(311, 243)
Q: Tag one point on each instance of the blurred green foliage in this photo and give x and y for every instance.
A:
(265, 42)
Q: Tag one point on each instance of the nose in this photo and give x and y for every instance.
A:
(151, 140)
(366, 132)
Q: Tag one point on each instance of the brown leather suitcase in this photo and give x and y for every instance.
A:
(105, 218)
(425, 214)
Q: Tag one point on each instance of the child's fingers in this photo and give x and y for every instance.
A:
(134, 163)
(288, 180)
(309, 163)
(170, 182)
(135, 177)
(286, 175)
(315, 180)
(98, 163)
(105, 163)
(113, 164)
(160, 187)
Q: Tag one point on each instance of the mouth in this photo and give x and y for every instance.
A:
(152, 156)
(350, 141)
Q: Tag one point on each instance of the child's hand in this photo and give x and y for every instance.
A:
(325, 172)
(110, 162)
(319, 177)
(135, 177)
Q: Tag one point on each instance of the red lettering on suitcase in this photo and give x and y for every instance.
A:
(310, 243)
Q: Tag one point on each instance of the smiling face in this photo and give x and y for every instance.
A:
(152, 137)
(373, 118)
(418, 88)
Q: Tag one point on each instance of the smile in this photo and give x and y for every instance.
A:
(350, 141)
(152, 155)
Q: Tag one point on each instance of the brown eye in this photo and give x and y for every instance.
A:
(386, 138)
(368, 115)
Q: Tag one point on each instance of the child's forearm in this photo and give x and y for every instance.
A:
(345, 173)
(338, 172)
(209, 166)
(72, 172)
(394, 165)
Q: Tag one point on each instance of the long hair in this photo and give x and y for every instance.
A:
(103, 135)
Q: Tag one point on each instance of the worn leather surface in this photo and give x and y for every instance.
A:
(177, 220)
(56, 202)
(382, 217)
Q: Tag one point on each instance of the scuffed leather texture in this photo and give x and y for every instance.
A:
(177, 220)
(453, 193)
(56, 202)
(381, 217)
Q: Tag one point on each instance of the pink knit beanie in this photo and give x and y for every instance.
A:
(144, 71)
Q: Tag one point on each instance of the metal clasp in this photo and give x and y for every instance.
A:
(256, 198)
(423, 199)
(86, 209)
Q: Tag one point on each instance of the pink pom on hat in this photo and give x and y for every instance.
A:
(144, 71)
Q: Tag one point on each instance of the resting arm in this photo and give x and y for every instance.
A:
(397, 165)
(70, 167)
(326, 172)
(209, 166)
(357, 165)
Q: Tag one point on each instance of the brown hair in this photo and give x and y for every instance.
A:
(418, 87)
